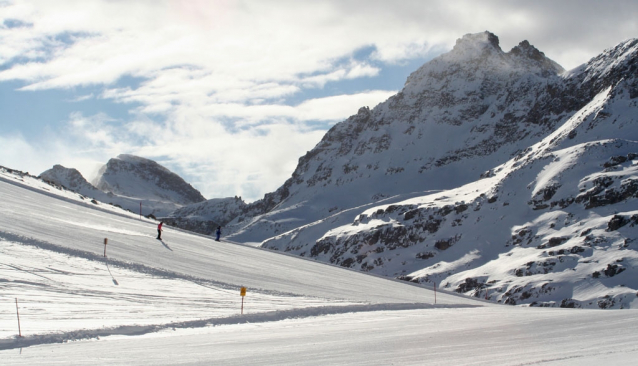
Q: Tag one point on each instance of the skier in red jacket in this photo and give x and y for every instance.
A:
(159, 230)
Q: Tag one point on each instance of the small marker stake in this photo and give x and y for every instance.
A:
(242, 292)
(18, 313)
(105, 241)
(434, 293)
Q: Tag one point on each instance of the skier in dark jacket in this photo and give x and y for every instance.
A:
(218, 233)
(159, 230)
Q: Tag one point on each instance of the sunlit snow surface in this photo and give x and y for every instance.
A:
(177, 301)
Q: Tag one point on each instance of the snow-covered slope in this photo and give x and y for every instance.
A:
(176, 301)
(553, 226)
(57, 244)
(205, 217)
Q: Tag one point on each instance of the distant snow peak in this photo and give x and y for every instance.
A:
(486, 44)
(69, 178)
(142, 178)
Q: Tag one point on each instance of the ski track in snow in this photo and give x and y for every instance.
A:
(271, 316)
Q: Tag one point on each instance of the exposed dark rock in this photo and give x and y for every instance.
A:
(445, 244)
(321, 247)
(615, 160)
(569, 303)
(606, 303)
(613, 269)
(469, 284)
(426, 255)
(616, 223)
(552, 242)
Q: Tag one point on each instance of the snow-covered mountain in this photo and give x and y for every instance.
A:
(141, 178)
(127, 181)
(553, 225)
(458, 115)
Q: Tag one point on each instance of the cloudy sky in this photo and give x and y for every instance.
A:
(229, 94)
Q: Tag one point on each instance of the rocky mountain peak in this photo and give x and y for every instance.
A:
(138, 177)
(475, 60)
(364, 111)
(483, 41)
(527, 52)
(69, 178)
(526, 49)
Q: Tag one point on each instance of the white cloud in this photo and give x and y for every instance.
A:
(248, 160)
(16, 152)
(278, 40)
(339, 107)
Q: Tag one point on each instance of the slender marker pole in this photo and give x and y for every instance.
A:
(242, 293)
(105, 241)
(140, 210)
(18, 313)
(435, 293)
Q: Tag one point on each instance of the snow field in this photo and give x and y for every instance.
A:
(177, 302)
(53, 262)
(58, 293)
(474, 336)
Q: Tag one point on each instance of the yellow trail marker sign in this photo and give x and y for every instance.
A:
(242, 292)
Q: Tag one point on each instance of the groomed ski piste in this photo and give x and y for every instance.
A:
(177, 301)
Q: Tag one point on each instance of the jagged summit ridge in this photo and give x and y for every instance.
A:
(477, 56)
(477, 43)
